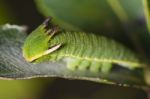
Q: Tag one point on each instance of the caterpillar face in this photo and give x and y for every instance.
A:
(38, 44)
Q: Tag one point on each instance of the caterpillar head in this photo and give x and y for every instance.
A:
(38, 44)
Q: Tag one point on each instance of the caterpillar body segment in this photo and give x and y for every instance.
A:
(79, 50)
(93, 48)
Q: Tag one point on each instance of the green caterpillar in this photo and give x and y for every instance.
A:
(78, 50)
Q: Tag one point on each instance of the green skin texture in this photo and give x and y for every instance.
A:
(78, 50)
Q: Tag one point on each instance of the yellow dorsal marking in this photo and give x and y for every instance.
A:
(45, 53)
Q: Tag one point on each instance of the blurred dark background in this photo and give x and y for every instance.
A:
(24, 12)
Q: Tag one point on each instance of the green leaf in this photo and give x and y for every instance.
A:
(127, 10)
(13, 65)
(92, 16)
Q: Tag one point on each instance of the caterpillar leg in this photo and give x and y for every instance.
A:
(95, 67)
(100, 67)
(78, 64)
(84, 65)
(72, 63)
(106, 67)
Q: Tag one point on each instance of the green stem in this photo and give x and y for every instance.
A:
(118, 9)
(147, 13)
(122, 15)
